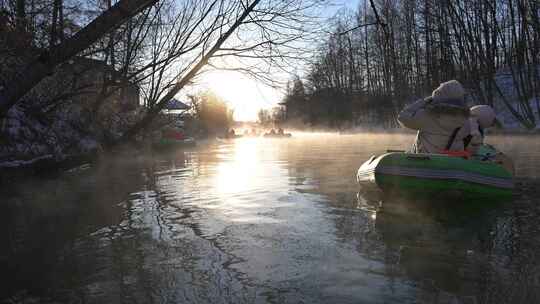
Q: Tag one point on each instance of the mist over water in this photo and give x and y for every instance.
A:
(257, 220)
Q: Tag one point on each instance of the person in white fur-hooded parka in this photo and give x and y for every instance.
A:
(483, 117)
(440, 119)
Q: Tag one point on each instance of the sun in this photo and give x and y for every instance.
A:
(244, 94)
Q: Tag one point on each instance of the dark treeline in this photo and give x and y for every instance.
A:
(367, 74)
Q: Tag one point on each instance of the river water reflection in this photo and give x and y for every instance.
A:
(265, 221)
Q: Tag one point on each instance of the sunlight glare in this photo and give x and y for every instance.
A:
(236, 175)
(245, 95)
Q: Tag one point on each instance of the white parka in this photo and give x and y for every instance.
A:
(435, 130)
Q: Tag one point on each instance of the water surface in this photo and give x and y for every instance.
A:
(264, 221)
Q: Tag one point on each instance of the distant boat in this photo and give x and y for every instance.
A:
(173, 138)
(276, 135)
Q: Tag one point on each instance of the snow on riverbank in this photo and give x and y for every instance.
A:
(29, 138)
(24, 163)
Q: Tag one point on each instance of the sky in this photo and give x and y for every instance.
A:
(247, 95)
(244, 94)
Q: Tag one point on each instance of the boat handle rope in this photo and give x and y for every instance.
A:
(418, 157)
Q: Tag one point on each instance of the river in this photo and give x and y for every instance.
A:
(264, 221)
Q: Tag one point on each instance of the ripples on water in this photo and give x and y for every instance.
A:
(264, 221)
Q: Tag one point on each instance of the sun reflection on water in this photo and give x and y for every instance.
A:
(235, 174)
(245, 178)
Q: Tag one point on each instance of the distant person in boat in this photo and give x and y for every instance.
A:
(482, 118)
(440, 119)
(173, 133)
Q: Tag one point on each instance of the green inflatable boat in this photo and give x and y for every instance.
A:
(428, 174)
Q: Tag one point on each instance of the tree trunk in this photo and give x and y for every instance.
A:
(20, 15)
(54, 23)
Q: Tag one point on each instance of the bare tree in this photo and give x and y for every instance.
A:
(402, 49)
(208, 35)
(35, 71)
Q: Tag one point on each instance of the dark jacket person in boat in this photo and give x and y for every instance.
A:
(441, 120)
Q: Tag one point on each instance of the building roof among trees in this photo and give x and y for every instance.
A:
(175, 104)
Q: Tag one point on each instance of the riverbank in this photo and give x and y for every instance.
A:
(15, 170)
(47, 165)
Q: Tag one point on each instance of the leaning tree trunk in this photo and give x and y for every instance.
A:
(28, 77)
(20, 15)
